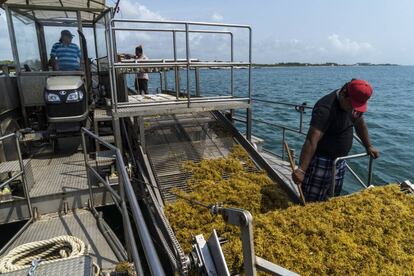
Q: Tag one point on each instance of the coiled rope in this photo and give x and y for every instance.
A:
(47, 251)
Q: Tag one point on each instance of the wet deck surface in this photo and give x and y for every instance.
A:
(282, 167)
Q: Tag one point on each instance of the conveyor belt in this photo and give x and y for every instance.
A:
(172, 140)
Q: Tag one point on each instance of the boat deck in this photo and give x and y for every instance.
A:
(164, 104)
(57, 181)
(81, 224)
(282, 167)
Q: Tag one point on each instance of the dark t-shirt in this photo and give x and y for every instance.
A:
(336, 124)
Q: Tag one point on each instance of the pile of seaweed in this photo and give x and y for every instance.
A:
(366, 233)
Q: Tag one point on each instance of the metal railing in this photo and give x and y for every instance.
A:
(188, 63)
(125, 196)
(22, 174)
(301, 109)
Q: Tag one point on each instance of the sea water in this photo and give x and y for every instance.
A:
(390, 115)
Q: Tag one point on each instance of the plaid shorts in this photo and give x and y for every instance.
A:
(317, 185)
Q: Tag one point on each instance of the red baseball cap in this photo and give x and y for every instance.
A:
(359, 91)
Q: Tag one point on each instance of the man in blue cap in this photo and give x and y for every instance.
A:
(65, 55)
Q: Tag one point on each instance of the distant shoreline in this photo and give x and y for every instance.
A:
(328, 64)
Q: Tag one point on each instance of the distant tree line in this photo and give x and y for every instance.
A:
(302, 64)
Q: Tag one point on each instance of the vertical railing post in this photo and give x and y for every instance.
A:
(164, 72)
(176, 69)
(112, 70)
(123, 203)
(232, 67)
(197, 81)
(15, 53)
(161, 81)
(187, 54)
(232, 71)
(25, 188)
(249, 110)
(85, 155)
(283, 142)
(370, 166)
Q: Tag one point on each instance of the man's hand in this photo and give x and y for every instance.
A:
(297, 176)
(373, 152)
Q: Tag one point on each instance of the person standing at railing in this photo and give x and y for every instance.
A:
(330, 136)
(141, 81)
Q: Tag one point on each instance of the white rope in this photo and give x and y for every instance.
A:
(47, 251)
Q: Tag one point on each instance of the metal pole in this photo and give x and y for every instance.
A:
(42, 45)
(283, 142)
(143, 232)
(249, 124)
(161, 81)
(197, 81)
(26, 190)
(15, 52)
(301, 120)
(130, 236)
(96, 50)
(334, 176)
(187, 54)
(111, 60)
(176, 69)
(232, 60)
(125, 214)
(85, 155)
(370, 166)
(165, 80)
(249, 111)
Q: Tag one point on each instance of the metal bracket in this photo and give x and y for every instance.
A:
(244, 220)
(208, 258)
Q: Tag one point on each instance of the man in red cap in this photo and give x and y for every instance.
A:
(330, 136)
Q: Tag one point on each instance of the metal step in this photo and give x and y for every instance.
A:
(108, 138)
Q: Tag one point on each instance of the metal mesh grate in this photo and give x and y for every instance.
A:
(80, 224)
(172, 140)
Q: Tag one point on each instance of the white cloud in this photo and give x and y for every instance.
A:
(132, 9)
(333, 49)
(5, 49)
(217, 17)
(347, 46)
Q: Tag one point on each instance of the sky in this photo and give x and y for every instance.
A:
(317, 31)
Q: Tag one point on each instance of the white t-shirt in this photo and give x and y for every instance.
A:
(143, 75)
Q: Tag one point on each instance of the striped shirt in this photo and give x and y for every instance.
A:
(68, 56)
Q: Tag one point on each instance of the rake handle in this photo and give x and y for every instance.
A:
(292, 165)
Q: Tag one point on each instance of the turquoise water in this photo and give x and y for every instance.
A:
(390, 115)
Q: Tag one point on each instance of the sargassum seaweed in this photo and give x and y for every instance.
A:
(367, 233)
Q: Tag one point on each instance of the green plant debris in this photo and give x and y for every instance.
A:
(368, 233)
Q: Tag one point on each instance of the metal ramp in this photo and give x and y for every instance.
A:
(175, 139)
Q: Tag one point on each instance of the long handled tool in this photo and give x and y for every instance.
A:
(292, 165)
